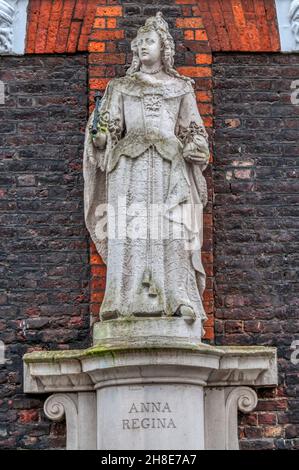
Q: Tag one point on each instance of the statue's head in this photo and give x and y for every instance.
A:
(294, 19)
(154, 43)
(156, 38)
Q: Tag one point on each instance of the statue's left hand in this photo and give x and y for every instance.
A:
(196, 153)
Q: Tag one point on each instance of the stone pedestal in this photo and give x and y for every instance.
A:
(150, 384)
(151, 416)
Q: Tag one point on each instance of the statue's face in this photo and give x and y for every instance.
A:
(149, 47)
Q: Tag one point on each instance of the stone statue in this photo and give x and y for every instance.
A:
(294, 20)
(144, 189)
(7, 13)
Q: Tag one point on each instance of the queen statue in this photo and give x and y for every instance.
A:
(144, 191)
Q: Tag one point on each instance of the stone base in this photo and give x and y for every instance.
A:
(150, 391)
(151, 416)
(166, 331)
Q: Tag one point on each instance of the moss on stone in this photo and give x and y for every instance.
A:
(113, 349)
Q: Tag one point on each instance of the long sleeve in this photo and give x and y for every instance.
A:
(112, 119)
(192, 133)
(95, 163)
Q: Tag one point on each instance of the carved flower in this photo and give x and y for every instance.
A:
(192, 133)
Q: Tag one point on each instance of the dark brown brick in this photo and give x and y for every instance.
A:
(256, 226)
(44, 287)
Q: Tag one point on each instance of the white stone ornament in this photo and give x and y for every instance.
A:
(288, 24)
(13, 20)
(7, 13)
(153, 394)
(294, 20)
(78, 409)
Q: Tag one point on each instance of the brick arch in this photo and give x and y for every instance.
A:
(240, 25)
(59, 26)
(202, 27)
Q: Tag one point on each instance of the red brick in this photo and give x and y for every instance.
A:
(186, 11)
(109, 11)
(203, 96)
(207, 257)
(272, 405)
(189, 23)
(83, 42)
(216, 12)
(80, 10)
(95, 259)
(208, 220)
(53, 28)
(195, 71)
(205, 109)
(107, 35)
(209, 322)
(208, 267)
(97, 296)
(110, 59)
(203, 59)
(97, 270)
(96, 46)
(233, 326)
(28, 416)
(273, 431)
(204, 5)
(64, 26)
(201, 35)
(76, 321)
(110, 46)
(208, 296)
(98, 284)
(111, 23)
(87, 25)
(196, 11)
(242, 26)
(32, 25)
(94, 308)
(267, 418)
(189, 35)
(185, 2)
(43, 21)
(250, 419)
(33, 312)
(209, 332)
(208, 121)
(99, 23)
(72, 42)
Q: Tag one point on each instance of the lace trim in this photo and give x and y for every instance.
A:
(113, 126)
(115, 130)
(190, 133)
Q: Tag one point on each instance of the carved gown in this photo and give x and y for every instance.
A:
(147, 198)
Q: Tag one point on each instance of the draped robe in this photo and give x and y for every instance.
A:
(143, 199)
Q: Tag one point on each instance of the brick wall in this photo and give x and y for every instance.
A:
(256, 213)
(44, 286)
(105, 28)
(45, 296)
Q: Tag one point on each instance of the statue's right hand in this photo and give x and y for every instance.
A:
(99, 140)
